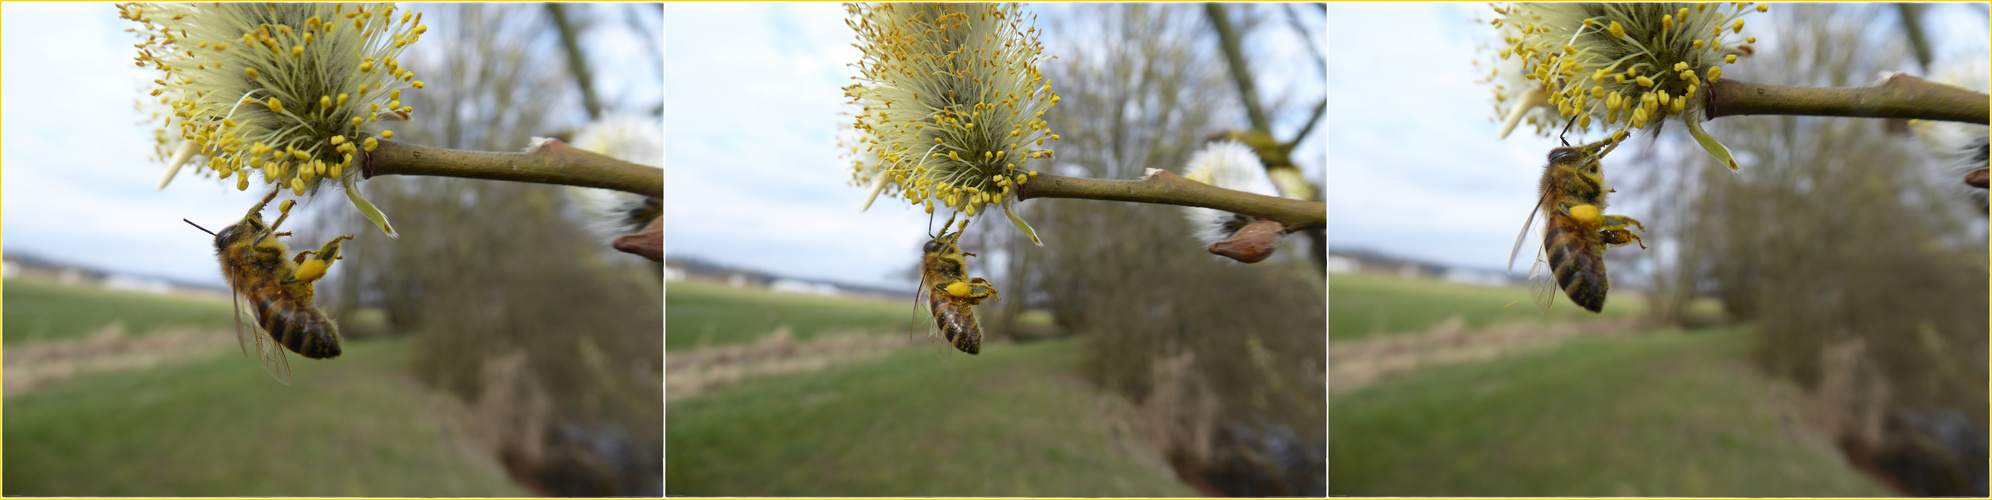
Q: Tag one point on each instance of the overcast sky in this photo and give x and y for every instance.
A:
(1415, 168)
(754, 100)
(78, 184)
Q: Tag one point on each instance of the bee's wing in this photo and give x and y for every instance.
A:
(1523, 236)
(922, 301)
(273, 359)
(1542, 284)
(243, 338)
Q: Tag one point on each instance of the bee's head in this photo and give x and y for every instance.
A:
(239, 232)
(1564, 154)
(933, 246)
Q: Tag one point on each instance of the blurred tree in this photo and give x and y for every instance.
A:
(1864, 272)
(1225, 360)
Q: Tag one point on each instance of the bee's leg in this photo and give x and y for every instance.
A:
(1620, 222)
(980, 289)
(311, 270)
(302, 255)
(257, 210)
(1617, 237)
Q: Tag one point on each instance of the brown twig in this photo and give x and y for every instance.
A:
(1171, 189)
(551, 162)
(1901, 96)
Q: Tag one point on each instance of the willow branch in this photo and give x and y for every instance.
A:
(1170, 189)
(1901, 96)
(551, 162)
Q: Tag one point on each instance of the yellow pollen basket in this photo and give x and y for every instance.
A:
(957, 289)
(311, 270)
(1587, 214)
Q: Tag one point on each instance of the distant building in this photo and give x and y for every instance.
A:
(1472, 277)
(1340, 264)
(674, 274)
(136, 284)
(804, 287)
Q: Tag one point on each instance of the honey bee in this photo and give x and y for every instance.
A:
(278, 289)
(948, 291)
(1576, 231)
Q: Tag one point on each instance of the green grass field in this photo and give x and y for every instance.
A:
(1362, 305)
(41, 310)
(1014, 421)
(1664, 414)
(357, 425)
(707, 314)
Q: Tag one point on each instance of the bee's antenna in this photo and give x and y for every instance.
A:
(198, 226)
(1566, 130)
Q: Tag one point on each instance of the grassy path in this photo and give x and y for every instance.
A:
(707, 314)
(1013, 421)
(357, 425)
(38, 310)
(1366, 305)
(1665, 414)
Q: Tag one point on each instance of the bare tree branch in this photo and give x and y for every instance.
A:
(1912, 27)
(1234, 53)
(577, 61)
(1319, 110)
(1170, 189)
(1901, 96)
(551, 163)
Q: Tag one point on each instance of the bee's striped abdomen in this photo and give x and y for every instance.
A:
(299, 327)
(1577, 259)
(956, 321)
